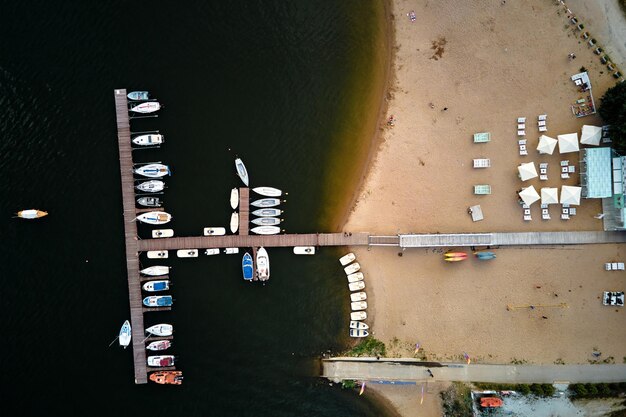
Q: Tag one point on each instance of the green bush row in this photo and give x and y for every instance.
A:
(540, 390)
(598, 390)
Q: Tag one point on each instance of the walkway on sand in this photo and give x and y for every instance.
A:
(409, 369)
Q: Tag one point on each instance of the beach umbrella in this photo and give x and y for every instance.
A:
(570, 195)
(546, 144)
(591, 135)
(549, 195)
(527, 171)
(568, 143)
(529, 195)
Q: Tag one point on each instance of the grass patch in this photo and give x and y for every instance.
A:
(457, 401)
(369, 347)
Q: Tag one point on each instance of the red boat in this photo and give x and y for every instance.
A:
(167, 377)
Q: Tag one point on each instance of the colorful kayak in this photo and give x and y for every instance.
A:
(455, 258)
(455, 254)
(247, 267)
(485, 255)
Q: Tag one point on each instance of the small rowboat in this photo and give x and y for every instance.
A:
(358, 296)
(213, 251)
(358, 315)
(266, 230)
(159, 345)
(234, 198)
(155, 217)
(268, 191)
(158, 254)
(153, 170)
(358, 305)
(214, 231)
(231, 251)
(155, 286)
(155, 271)
(152, 186)
(266, 202)
(147, 107)
(148, 140)
(162, 329)
(352, 268)
(125, 334)
(358, 276)
(159, 233)
(356, 286)
(267, 212)
(358, 333)
(31, 214)
(158, 301)
(234, 222)
(267, 221)
(456, 258)
(346, 259)
(149, 201)
(138, 95)
(167, 377)
(187, 253)
(304, 250)
(358, 325)
(455, 254)
(241, 171)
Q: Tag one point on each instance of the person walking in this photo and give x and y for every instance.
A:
(430, 373)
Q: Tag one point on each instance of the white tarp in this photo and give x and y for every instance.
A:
(591, 135)
(529, 195)
(546, 144)
(527, 171)
(570, 195)
(549, 195)
(568, 143)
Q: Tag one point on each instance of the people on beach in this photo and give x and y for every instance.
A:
(430, 373)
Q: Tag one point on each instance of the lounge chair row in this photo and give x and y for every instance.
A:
(614, 266)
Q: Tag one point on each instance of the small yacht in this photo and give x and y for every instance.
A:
(268, 191)
(153, 170)
(247, 267)
(162, 329)
(234, 222)
(158, 301)
(267, 212)
(266, 230)
(167, 377)
(262, 264)
(267, 221)
(155, 286)
(31, 214)
(241, 171)
(149, 201)
(159, 233)
(304, 250)
(266, 202)
(155, 217)
(214, 231)
(163, 360)
(187, 253)
(147, 107)
(234, 198)
(148, 140)
(155, 271)
(125, 334)
(157, 254)
(138, 95)
(152, 186)
(159, 345)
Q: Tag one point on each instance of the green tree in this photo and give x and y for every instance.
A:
(523, 389)
(537, 390)
(548, 389)
(592, 390)
(613, 111)
(580, 389)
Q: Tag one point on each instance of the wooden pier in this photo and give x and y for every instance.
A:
(244, 210)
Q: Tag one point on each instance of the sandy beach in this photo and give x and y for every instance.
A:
(462, 68)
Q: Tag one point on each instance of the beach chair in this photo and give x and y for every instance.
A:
(614, 266)
(564, 176)
(564, 216)
(523, 152)
(525, 206)
(543, 177)
(521, 133)
(482, 163)
(620, 266)
(543, 129)
(482, 189)
(564, 163)
(572, 211)
(571, 169)
(527, 217)
(608, 266)
(544, 206)
(482, 137)
(521, 126)
(545, 215)
(521, 120)
(541, 123)
(542, 117)
(521, 142)
(543, 165)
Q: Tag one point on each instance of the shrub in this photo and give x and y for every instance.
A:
(368, 347)
(579, 389)
(537, 390)
(348, 384)
(604, 390)
(523, 389)
(591, 389)
(548, 389)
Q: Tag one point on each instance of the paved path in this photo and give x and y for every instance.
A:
(337, 369)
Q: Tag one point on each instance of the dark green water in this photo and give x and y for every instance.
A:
(265, 80)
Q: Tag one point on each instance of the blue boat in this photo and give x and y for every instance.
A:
(158, 301)
(153, 286)
(484, 256)
(138, 95)
(246, 266)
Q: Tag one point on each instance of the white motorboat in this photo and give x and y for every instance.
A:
(158, 301)
(147, 107)
(358, 305)
(234, 198)
(358, 325)
(213, 251)
(159, 233)
(156, 286)
(158, 254)
(352, 268)
(241, 171)
(267, 212)
(262, 264)
(125, 334)
(358, 315)
(304, 250)
(162, 329)
(149, 201)
(266, 202)
(355, 277)
(346, 259)
(234, 222)
(267, 221)
(159, 345)
(155, 217)
(214, 231)
(152, 186)
(356, 286)
(266, 230)
(268, 191)
(138, 95)
(162, 360)
(358, 333)
(358, 296)
(187, 253)
(231, 251)
(148, 140)
(153, 170)
(155, 271)
(31, 214)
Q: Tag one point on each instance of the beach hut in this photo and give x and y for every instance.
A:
(591, 135)
(529, 195)
(568, 143)
(570, 195)
(527, 171)
(546, 144)
(549, 195)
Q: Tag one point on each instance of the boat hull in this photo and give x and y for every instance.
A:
(138, 95)
(214, 231)
(268, 191)
(241, 171)
(266, 230)
(156, 286)
(161, 233)
(31, 214)
(358, 305)
(161, 360)
(157, 254)
(304, 250)
(147, 107)
(358, 296)
(358, 325)
(247, 267)
(346, 259)
(234, 198)
(267, 212)
(149, 201)
(234, 222)
(267, 221)
(358, 276)
(358, 333)
(356, 286)
(125, 334)
(262, 264)
(159, 345)
(352, 268)
(153, 170)
(358, 315)
(167, 377)
(155, 217)
(155, 271)
(161, 329)
(266, 202)
(158, 301)
(231, 251)
(148, 140)
(187, 253)
(213, 251)
(153, 186)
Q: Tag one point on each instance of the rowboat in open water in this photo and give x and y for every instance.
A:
(148, 140)
(158, 301)
(31, 214)
(138, 95)
(152, 186)
(159, 345)
(155, 217)
(167, 377)
(358, 325)
(268, 191)
(155, 271)
(155, 286)
(162, 329)
(214, 231)
(162, 360)
(266, 202)
(267, 212)
(247, 267)
(149, 201)
(346, 259)
(358, 296)
(125, 334)
(147, 107)
(234, 222)
(159, 233)
(352, 268)
(266, 230)
(356, 286)
(262, 264)
(241, 171)
(267, 221)
(153, 170)
(234, 198)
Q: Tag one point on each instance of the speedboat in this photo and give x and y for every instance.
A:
(262, 264)
(358, 333)
(155, 271)
(152, 186)
(214, 231)
(158, 301)
(358, 305)
(158, 233)
(268, 191)
(358, 315)
(158, 254)
(266, 202)
(213, 251)
(304, 250)
(247, 267)
(149, 201)
(234, 198)
(167, 377)
(155, 217)
(125, 334)
(162, 360)
(148, 140)
(187, 253)
(241, 171)
(356, 286)
(346, 259)
(159, 345)
(358, 325)
(267, 221)
(267, 212)
(358, 276)
(162, 329)
(147, 107)
(31, 214)
(352, 268)
(154, 286)
(138, 95)
(358, 296)
(234, 222)
(266, 230)
(231, 251)
(153, 170)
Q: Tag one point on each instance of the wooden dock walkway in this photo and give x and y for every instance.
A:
(244, 210)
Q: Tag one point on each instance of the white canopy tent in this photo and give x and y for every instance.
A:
(570, 195)
(529, 195)
(527, 171)
(591, 135)
(568, 143)
(549, 195)
(546, 144)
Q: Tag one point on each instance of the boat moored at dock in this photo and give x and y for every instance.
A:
(161, 360)
(160, 233)
(159, 345)
(31, 214)
(214, 231)
(158, 285)
(241, 171)
(346, 259)
(267, 212)
(149, 201)
(147, 107)
(153, 170)
(138, 95)
(148, 140)
(266, 230)
(155, 217)
(266, 202)
(352, 268)
(162, 329)
(268, 191)
(262, 264)
(152, 186)
(234, 198)
(234, 222)
(267, 221)
(231, 251)
(158, 301)
(187, 253)
(155, 271)
(167, 377)
(125, 334)
(213, 251)
(247, 267)
(157, 254)
(304, 250)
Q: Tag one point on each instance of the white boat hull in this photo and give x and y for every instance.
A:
(161, 329)
(266, 230)
(351, 269)
(214, 231)
(358, 305)
(187, 253)
(213, 251)
(159, 345)
(155, 361)
(158, 254)
(31, 214)
(304, 250)
(346, 259)
(147, 107)
(138, 95)
(266, 202)
(241, 171)
(262, 264)
(267, 221)
(358, 333)
(234, 198)
(155, 271)
(231, 251)
(155, 217)
(356, 286)
(150, 285)
(148, 140)
(152, 170)
(159, 233)
(358, 315)
(234, 222)
(355, 277)
(268, 191)
(358, 296)
(153, 186)
(267, 212)
(125, 334)
(358, 325)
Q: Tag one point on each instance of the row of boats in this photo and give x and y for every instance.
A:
(262, 266)
(461, 256)
(358, 305)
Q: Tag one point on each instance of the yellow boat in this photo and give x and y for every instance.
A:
(31, 214)
(455, 258)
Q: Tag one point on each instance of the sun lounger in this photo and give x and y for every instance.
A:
(614, 266)
(571, 169)
(564, 216)
(522, 147)
(482, 137)
(545, 215)
(608, 266)
(543, 129)
(544, 206)
(523, 152)
(541, 123)
(521, 133)
(543, 165)
(527, 218)
(564, 176)
(521, 120)
(572, 211)
(482, 163)
(564, 163)
(525, 206)
(565, 205)
(543, 177)
(620, 266)
(521, 126)
(476, 212)
(521, 142)
(542, 117)
(482, 189)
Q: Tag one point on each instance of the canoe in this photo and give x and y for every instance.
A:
(358, 296)
(148, 140)
(149, 201)
(155, 271)
(358, 325)
(147, 107)
(167, 377)
(125, 334)
(158, 301)
(356, 286)
(304, 250)
(158, 285)
(162, 360)
(153, 170)
(158, 254)
(162, 329)
(267, 212)
(152, 186)
(485, 255)
(187, 253)
(267, 221)
(455, 254)
(213, 251)
(262, 264)
(234, 198)
(214, 231)
(358, 305)
(241, 171)
(346, 259)
(358, 276)
(266, 230)
(31, 214)
(268, 191)
(159, 345)
(138, 95)
(247, 267)
(158, 233)
(352, 268)
(155, 217)
(266, 202)
(358, 315)
(358, 333)
(231, 251)
(234, 222)
(456, 259)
